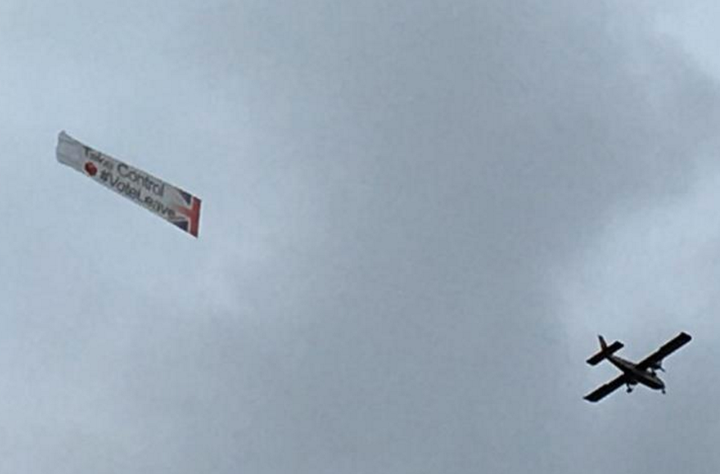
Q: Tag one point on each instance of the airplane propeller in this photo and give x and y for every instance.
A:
(658, 366)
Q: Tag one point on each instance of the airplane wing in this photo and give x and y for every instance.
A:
(605, 390)
(665, 350)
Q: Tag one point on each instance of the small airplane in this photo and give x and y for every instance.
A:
(633, 373)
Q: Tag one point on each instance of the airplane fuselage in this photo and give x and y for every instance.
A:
(646, 377)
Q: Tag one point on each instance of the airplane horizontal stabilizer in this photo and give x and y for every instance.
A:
(605, 352)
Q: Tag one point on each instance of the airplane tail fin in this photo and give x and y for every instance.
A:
(605, 351)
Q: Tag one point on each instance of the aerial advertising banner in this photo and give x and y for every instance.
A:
(165, 200)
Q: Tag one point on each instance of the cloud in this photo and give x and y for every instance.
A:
(451, 158)
(393, 194)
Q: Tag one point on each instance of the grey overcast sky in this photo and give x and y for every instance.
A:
(417, 216)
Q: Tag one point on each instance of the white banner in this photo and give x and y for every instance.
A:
(165, 200)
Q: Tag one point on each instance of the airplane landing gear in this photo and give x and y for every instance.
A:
(629, 389)
(663, 391)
